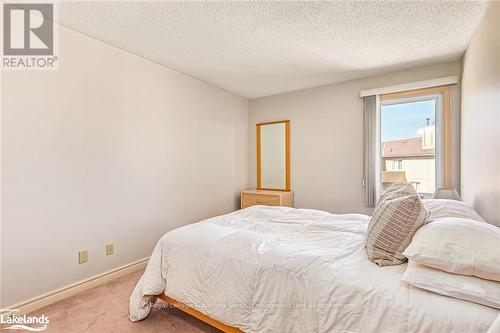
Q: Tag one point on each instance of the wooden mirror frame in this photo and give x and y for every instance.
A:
(287, 156)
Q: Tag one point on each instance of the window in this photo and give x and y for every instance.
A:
(406, 134)
(397, 165)
(413, 144)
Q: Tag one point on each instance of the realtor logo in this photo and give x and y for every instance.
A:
(28, 36)
(28, 29)
(22, 323)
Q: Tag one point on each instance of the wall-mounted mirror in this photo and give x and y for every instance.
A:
(273, 156)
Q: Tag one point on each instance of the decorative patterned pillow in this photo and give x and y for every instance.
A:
(396, 219)
(399, 189)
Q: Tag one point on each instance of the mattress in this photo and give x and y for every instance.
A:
(279, 269)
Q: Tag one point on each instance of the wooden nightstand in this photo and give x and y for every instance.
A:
(268, 198)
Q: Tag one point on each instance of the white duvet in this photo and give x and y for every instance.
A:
(277, 269)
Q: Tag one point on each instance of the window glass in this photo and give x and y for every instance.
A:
(408, 135)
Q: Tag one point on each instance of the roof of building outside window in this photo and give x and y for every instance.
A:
(405, 148)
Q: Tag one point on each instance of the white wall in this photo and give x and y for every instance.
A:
(327, 137)
(109, 148)
(481, 117)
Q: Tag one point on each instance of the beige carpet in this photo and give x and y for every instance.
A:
(104, 309)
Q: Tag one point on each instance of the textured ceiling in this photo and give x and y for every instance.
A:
(256, 49)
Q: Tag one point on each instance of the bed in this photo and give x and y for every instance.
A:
(279, 269)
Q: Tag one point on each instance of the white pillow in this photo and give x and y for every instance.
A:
(467, 288)
(442, 208)
(458, 246)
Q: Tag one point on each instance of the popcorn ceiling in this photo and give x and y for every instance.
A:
(256, 49)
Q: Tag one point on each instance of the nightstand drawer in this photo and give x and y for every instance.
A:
(255, 199)
(266, 198)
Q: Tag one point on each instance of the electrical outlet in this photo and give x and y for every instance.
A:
(110, 249)
(83, 257)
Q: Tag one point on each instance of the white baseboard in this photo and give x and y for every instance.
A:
(75, 288)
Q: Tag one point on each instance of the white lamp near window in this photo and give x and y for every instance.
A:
(446, 193)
